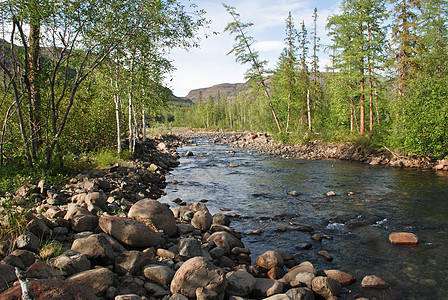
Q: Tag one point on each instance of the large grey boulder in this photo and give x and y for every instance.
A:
(199, 276)
(202, 220)
(129, 231)
(225, 240)
(96, 247)
(158, 273)
(241, 283)
(130, 262)
(269, 260)
(155, 215)
(97, 280)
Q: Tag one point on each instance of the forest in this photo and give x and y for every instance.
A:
(386, 86)
(79, 76)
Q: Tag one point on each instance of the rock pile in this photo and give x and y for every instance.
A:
(105, 236)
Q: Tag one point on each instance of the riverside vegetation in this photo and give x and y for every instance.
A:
(105, 236)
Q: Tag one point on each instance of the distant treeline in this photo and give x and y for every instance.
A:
(386, 86)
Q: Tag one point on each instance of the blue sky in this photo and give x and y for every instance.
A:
(209, 64)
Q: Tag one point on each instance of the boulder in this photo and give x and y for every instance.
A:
(96, 198)
(14, 261)
(344, 279)
(302, 279)
(27, 257)
(41, 270)
(265, 287)
(374, 282)
(84, 222)
(279, 297)
(190, 248)
(7, 276)
(291, 275)
(202, 220)
(197, 206)
(225, 240)
(71, 262)
(129, 231)
(198, 273)
(160, 274)
(96, 247)
(97, 280)
(241, 283)
(221, 219)
(51, 289)
(155, 215)
(326, 287)
(403, 238)
(129, 262)
(28, 241)
(301, 293)
(269, 260)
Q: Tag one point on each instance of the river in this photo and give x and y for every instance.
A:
(370, 203)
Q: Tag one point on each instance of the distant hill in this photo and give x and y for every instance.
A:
(216, 91)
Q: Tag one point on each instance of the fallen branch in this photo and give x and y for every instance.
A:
(393, 153)
(23, 285)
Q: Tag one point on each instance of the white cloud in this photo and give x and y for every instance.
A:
(210, 65)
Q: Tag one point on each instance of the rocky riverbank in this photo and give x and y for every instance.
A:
(104, 235)
(264, 143)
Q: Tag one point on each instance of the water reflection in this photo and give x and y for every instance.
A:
(383, 200)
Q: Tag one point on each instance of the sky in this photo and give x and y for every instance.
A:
(209, 64)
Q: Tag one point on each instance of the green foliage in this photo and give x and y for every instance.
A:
(12, 219)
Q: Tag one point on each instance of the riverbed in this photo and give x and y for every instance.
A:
(370, 202)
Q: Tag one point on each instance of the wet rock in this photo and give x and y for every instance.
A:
(234, 165)
(241, 283)
(189, 153)
(225, 240)
(195, 273)
(294, 193)
(326, 287)
(129, 232)
(98, 280)
(276, 273)
(325, 255)
(301, 293)
(130, 262)
(269, 260)
(304, 246)
(302, 279)
(221, 219)
(160, 274)
(28, 241)
(154, 214)
(96, 247)
(51, 289)
(403, 238)
(304, 228)
(374, 282)
(331, 194)
(265, 287)
(343, 278)
(292, 273)
(202, 220)
(198, 206)
(190, 248)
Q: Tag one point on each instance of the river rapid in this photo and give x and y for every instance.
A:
(370, 203)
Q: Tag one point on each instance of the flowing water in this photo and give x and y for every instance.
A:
(382, 200)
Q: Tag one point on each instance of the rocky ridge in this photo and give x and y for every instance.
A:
(105, 236)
